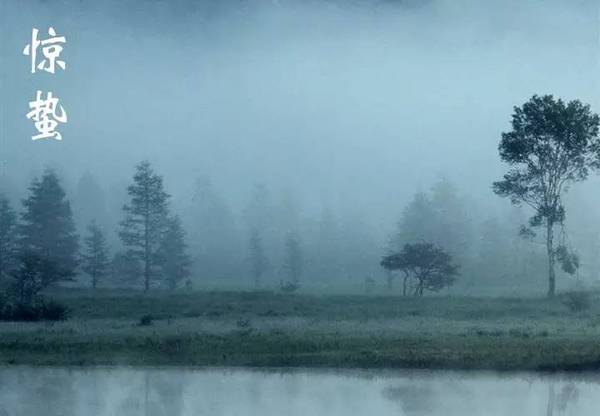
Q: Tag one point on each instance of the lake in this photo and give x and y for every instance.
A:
(28, 391)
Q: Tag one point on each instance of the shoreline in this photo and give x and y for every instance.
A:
(267, 330)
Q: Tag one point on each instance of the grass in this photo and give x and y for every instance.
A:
(272, 329)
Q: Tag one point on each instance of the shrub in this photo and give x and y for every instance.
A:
(39, 309)
(577, 301)
(146, 320)
(289, 287)
(243, 323)
(54, 311)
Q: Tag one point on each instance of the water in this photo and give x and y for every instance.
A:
(174, 391)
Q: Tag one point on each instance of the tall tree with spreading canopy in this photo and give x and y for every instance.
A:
(95, 260)
(47, 229)
(175, 261)
(8, 241)
(145, 220)
(552, 144)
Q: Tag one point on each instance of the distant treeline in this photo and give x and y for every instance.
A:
(145, 244)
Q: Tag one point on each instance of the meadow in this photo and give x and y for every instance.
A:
(271, 329)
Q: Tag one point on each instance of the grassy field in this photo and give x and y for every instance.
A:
(272, 329)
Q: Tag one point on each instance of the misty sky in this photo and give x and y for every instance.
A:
(352, 105)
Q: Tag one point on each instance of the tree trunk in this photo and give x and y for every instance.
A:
(404, 285)
(550, 250)
(390, 280)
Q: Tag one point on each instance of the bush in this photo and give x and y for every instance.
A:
(243, 323)
(289, 287)
(54, 311)
(39, 309)
(146, 320)
(577, 301)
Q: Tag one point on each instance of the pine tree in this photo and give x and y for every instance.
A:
(175, 262)
(293, 260)
(8, 248)
(47, 229)
(95, 261)
(124, 270)
(258, 260)
(145, 220)
(416, 223)
(89, 203)
(213, 237)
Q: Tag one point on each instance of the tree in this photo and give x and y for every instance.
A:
(89, 203)
(451, 224)
(213, 238)
(145, 220)
(431, 267)
(34, 273)
(47, 229)
(258, 260)
(95, 260)
(552, 144)
(124, 269)
(8, 240)
(438, 216)
(175, 262)
(416, 224)
(293, 261)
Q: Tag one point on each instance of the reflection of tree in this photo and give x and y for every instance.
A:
(412, 399)
(568, 394)
(163, 394)
(551, 399)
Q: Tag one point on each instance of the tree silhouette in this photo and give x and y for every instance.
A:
(431, 267)
(95, 261)
(175, 262)
(258, 260)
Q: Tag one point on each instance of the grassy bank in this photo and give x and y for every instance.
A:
(270, 329)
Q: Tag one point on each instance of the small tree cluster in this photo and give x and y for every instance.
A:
(37, 251)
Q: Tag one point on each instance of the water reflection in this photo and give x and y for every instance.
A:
(181, 392)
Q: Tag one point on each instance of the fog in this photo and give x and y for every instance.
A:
(180, 392)
(340, 109)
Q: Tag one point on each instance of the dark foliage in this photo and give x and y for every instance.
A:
(569, 261)
(430, 267)
(34, 273)
(146, 320)
(39, 309)
(47, 230)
